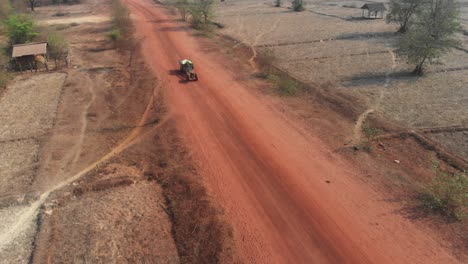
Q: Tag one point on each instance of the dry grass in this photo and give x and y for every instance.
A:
(18, 163)
(328, 49)
(200, 233)
(23, 111)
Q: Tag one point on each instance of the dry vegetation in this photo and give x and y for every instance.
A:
(146, 204)
(348, 64)
(329, 45)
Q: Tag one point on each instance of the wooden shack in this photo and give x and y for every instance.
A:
(373, 10)
(30, 56)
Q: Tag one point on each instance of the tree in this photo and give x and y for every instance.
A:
(182, 6)
(403, 12)
(32, 3)
(298, 5)
(278, 3)
(57, 47)
(201, 12)
(432, 35)
(20, 29)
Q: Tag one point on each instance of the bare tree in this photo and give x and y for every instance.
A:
(403, 11)
(32, 3)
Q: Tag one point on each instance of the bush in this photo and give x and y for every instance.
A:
(370, 132)
(20, 29)
(447, 194)
(284, 84)
(121, 17)
(265, 60)
(114, 35)
(298, 6)
(201, 12)
(57, 46)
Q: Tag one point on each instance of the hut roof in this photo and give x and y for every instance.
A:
(29, 49)
(374, 7)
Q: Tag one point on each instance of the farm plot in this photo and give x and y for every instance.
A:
(18, 163)
(330, 43)
(28, 106)
(262, 24)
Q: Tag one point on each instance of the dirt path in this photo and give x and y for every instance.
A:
(362, 118)
(289, 199)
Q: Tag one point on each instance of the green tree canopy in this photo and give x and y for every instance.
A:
(20, 28)
(201, 12)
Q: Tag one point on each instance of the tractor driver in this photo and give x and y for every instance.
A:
(186, 64)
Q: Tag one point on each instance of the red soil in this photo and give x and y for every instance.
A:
(288, 198)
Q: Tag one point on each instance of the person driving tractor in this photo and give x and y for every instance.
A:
(186, 65)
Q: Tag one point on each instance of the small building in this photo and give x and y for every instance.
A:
(373, 10)
(29, 56)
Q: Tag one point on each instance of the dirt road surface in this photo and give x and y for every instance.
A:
(288, 197)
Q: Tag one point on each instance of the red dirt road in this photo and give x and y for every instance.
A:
(269, 177)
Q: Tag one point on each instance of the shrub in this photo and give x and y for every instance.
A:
(265, 60)
(298, 5)
(284, 84)
(121, 17)
(201, 12)
(370, 132)
(447, 194)
(57, 46)
(114, 34)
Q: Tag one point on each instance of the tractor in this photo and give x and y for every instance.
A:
(186, 69)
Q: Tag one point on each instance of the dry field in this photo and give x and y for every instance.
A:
(330, 47)
(91, 168)
(69, 193)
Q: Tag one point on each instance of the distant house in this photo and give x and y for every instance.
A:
(30, 55)
(373, 10)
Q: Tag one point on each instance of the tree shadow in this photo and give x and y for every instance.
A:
(380, 79)
(365, 35)
(159, 21)
(174, 29)
(361, 18)
(414, 209)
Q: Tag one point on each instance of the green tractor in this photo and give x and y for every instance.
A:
(186, 69)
